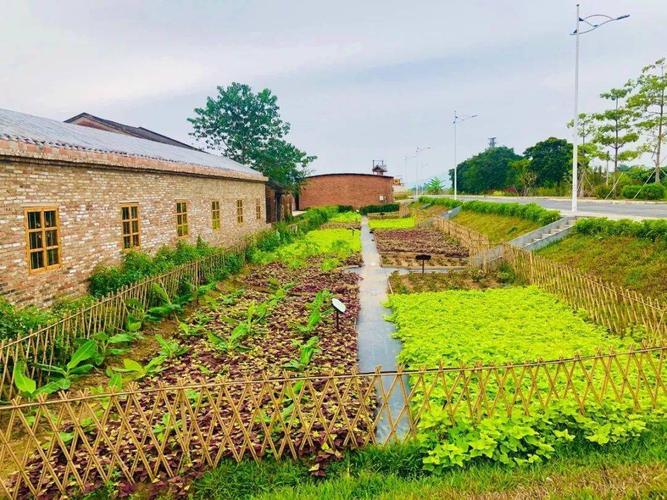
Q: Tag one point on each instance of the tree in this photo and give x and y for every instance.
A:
(435, 186)
(523, 174)
(247, 127)
(550, 161)
(486, 171)
(616, 127)
(649, 103)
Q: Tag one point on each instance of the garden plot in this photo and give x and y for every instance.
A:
(398, 248)
(274, 319)
(344, 220)
(464, 412)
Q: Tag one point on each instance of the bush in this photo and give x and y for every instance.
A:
(529, 211)
(345, 208)
(647, 229)
(646, 192)
(15, 322)
(371, 209)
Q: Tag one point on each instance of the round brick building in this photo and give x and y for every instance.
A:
(357, 190)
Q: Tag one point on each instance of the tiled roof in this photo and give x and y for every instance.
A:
(23, 128)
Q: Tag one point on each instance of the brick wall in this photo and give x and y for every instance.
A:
(88, 201)
(357, 190)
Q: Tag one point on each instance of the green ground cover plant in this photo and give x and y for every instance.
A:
(346, 217)
(335, 245)
(636, 468)
(652, 230)
(496, 327)
(398, 223)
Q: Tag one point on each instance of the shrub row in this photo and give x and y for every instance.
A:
(647, 229)
(645, 192)
(529, 211)
(373, 209)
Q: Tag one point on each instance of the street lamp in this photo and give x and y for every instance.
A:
(591, 23)
(419, 150)
(457, 119)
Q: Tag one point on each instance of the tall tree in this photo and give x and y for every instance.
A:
(485, 171)
(648, 100)
(616, 128)
(550, 161)
(246, 127)
(524, 177)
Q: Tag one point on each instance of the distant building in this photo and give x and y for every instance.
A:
(357, 190)
(75, 197)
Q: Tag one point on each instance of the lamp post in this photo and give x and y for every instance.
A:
(591, 23)
(419, 150)
(457, 119)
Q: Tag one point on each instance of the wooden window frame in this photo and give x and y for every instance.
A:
(258, 209)
(44, 249)
(182, 224)
(239, 211)
(132, 233)
(216, 222)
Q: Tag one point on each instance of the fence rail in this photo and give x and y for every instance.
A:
(75, 443)
(617, 308)
(477, 244)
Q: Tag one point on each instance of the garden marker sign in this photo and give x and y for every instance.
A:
(339, 307)
(422, 257)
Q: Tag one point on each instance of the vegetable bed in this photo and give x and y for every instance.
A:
(275, 319)
(397, 223)
(398, 247)
(467, 413)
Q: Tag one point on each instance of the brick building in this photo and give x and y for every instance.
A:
(357, 190)
(75, 197)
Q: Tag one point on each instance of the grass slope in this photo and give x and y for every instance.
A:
(634, 469)
(497, 228)
(635, 263)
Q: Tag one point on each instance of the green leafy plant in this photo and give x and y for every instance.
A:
(170, 348)
(136, 371)
(76, 366)
(318, 309)
(307, 350)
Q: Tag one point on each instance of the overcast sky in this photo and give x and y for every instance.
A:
(358, 80)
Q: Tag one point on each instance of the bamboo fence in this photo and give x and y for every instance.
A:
(477, 244)
(53, 343)
(73, 444)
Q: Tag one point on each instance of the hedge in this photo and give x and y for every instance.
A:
(645, 192)
(529, 211)
(387, 207)
(653, 230)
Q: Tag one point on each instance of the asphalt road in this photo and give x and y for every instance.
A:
(598, 208)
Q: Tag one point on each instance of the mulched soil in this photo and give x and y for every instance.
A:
(226, 417)
(436, 282)
(398, 247)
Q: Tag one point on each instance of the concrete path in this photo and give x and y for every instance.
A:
(375, 342)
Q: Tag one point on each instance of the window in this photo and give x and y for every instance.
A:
(258, 209)
(239, 211)
(43, 242)
(182, 218)
(215, 215)
(130, 216)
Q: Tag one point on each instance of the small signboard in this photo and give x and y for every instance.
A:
(423, 258)
(340, 308)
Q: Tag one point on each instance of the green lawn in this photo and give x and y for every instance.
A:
(346, 217)
(638, 264)
(635, 469)
(498, 228)
(402, 223)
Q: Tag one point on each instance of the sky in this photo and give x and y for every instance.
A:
(358, 81)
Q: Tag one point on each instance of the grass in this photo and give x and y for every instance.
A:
(498, 228)
(636, 469)
(402, 223)
(638, 264)
(346, 217)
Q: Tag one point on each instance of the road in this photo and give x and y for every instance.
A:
(612, 209)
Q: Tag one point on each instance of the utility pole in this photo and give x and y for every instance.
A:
(457, 119)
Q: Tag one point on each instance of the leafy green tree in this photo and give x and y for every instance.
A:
(550, 161)
(486, 171)
(524, 177)
(649, 102)
(435, 186)
(246, 127)
(616, 129)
